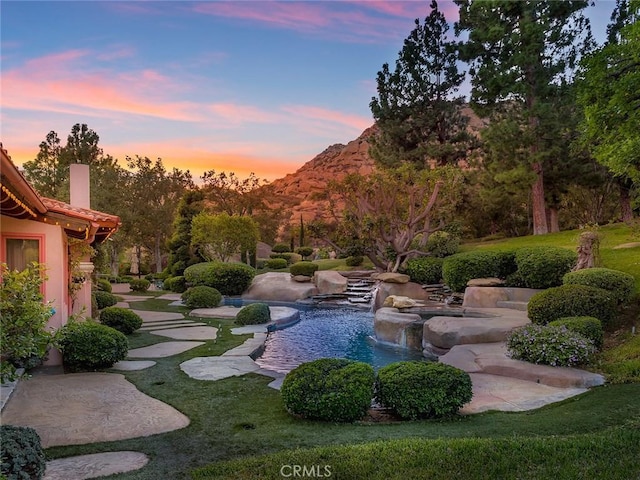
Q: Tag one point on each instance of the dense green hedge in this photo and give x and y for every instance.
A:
(550, 345)
(227, 278)
(303, 268)
(423, 389)
(281, 248)
(544, 266)
(458, 269)
(122, 319)
(354, 261)
(330, 389)
(589, 327)
(424, 270)
(102, 284)
(175, 284)
(201, 297)
(443, 244)
(91, 346)
(254, 314)
(139, 285)
(572, 301)
(620, 284)
(304, 251)
(276, 264)
(104, 299)
(22, 455)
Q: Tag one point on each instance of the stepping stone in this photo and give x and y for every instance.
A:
(188, 333)
(494, 392)
(161, 350)
(95, 465)
(218, 368)
(81, 408)
(122, 305)
(170, 296)
(150, 326)
(217, 312)
(132, 298)
(247, 329)
(158, 316)
(132, 365)
(249, 348)
(168, 322)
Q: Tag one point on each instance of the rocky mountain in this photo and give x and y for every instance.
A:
(304, 192)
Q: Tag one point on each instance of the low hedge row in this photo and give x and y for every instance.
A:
(458, 269)
(341, 390)
(424, 270)
(227, 278)
(620, 284)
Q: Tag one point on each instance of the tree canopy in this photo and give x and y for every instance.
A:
(219, 237)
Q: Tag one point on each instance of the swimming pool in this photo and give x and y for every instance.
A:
(329, 332)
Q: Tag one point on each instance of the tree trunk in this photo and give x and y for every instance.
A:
(554, 224)
(537, 199)
(158, 255)
(625, 200)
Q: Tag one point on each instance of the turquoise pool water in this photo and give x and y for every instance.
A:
(333, 333)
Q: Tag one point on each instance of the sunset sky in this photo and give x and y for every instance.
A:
(242, 86)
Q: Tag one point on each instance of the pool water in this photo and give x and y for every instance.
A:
(329, 333)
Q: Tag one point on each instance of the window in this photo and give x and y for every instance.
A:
(20, 252)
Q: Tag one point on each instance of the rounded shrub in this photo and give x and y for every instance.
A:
(288, 256)
(175, 284)
(354, 261)
(104, 299)
(276, 264)
(254, 314)
(139, 285)
(423, 389)
(550, 345)
(102, 284)
(122, 319)
(572, 301)
(544, 267)
(303, 268)
(424, 270)
(281, 248)
(21, 453)
(90, 346)
(442, 244)
(227, 278)
(201, 297)
(589, 327)
(329, 389)
(620, 284)
(458, 269)
(304, 251)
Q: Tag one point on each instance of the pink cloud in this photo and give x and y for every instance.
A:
(347, 21)
(238, 114)
(325, 117)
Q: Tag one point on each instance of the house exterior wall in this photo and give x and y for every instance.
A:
(53, 253)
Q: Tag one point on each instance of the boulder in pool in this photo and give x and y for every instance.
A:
(277, 286)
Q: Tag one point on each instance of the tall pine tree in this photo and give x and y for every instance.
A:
(521, 55)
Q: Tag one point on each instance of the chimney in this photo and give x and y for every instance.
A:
(79, 188)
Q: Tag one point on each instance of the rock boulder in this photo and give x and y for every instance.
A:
(276, 286)
(329, 281)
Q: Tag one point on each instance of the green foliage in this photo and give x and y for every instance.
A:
(354, 261)
(276, 264)
(122, 319)
(458, 269)
(202, 296)
(620, 284)
(103, 285)
(288, 256)
(181, 255)
(88, 346)
(104, 299)
(543, 266)
(227, 278)
(621, 363)
(329, 389)
(417, 110)
(23, 318)
(423, 389)
(572, 301)
(303, 268)
(254, 314)
(443, 244)
(424, 270)
(281, 248)
(139, 285)
(175, 284)
(22, 455)
(219, 237)
(588, 327)
(304, 251)
(550, 345)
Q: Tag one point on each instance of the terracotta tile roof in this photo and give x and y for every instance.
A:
(104, 219)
